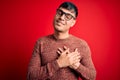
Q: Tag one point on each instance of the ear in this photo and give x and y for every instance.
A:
(73, 22)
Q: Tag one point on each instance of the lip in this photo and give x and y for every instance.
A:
(60, 22)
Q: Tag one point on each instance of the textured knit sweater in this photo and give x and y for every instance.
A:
(43, 64)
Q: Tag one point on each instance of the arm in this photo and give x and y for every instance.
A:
(35, 70)
(83, 65)
(86, 67)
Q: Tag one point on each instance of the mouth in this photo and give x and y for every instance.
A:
(59, 22)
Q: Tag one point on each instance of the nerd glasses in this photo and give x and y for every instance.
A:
(67, 15)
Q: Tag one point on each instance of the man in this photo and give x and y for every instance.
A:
(62, 56)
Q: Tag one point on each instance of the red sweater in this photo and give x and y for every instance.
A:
(43, 64)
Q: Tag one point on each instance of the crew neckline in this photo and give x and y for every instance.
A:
(62, 39)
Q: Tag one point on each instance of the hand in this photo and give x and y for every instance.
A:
(63, 59)
(77, 64)
(68, 59)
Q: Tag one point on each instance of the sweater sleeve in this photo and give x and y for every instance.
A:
(86, 68)
(38, 72)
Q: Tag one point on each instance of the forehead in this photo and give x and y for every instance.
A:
(68, 11)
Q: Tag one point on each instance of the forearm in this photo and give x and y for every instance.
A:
(87, 73)
(86, 68)
(42, 72)
(38, 71)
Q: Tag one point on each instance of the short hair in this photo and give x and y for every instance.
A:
(69, 6)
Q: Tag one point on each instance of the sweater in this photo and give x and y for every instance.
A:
(43, 64)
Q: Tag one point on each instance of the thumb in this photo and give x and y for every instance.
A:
(76, 49)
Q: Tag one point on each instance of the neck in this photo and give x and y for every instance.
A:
(60, 35)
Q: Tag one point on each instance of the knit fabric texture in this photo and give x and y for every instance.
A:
(43, 64)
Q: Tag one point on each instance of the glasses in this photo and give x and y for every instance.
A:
(67, 15)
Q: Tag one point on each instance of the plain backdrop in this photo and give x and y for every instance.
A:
(22, 22)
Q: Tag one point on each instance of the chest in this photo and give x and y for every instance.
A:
(49, 50)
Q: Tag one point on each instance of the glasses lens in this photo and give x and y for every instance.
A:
(59, 12)
(67, 15)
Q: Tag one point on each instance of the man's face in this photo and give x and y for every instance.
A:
(64, 19)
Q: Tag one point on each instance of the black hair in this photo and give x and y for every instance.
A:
(69, 6)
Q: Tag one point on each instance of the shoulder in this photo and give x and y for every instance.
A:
(84, 47)
(44, 38)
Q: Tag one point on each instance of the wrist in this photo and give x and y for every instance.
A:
(75, 66)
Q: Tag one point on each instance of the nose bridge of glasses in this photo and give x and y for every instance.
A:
(63, 15)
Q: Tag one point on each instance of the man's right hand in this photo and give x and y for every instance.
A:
(66, 58)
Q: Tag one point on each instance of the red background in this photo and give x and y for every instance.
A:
(22, 22)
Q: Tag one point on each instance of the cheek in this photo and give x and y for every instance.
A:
(56, 17)
(69, 24)
(54, 20)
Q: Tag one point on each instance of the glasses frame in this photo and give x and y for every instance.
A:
(64, 13)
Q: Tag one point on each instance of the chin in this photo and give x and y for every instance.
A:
(58, 30)
(57, 27)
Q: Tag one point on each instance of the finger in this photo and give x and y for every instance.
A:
(71, 54)
(77, 61)
(74, 54)
(76, 57)
(59, 49)
(64, 47)
(68, 52)
(65, 52)
(76, 50)
(59, 52)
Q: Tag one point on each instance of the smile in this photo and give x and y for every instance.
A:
(59, 22)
